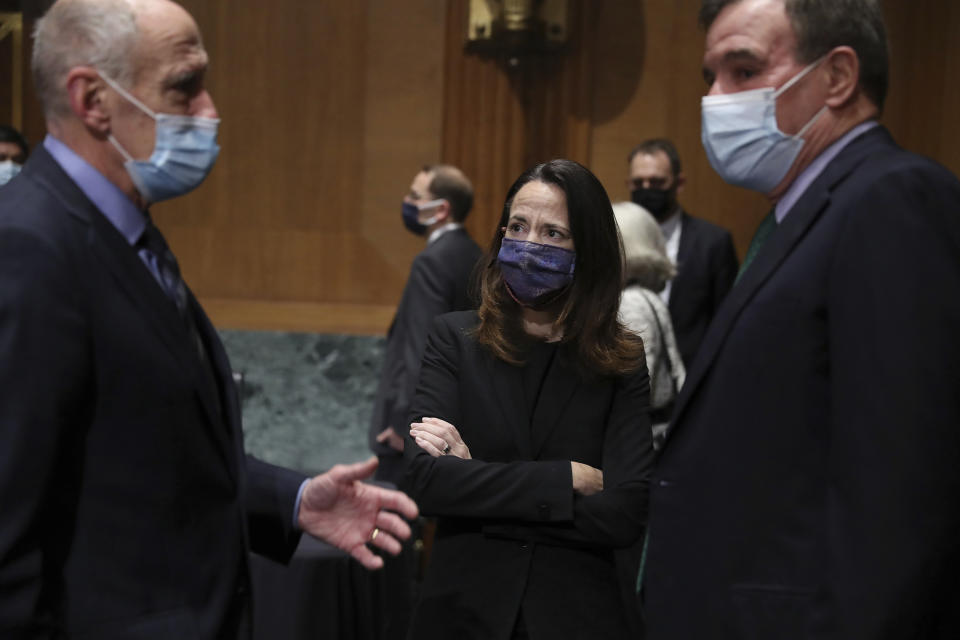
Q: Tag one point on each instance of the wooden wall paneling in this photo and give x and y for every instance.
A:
(949, 150)
(924, 96)
(11, 70)
(403, 121)
(328, 110)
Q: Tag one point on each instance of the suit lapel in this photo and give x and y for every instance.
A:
(559, 387)
(686, 253)
(781, 243)
(232, 433)
(687, 239)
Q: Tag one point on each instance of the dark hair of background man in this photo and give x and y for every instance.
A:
(9, 134)
(652, 146)
(450, 186)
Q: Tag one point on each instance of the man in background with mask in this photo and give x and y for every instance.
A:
(703, 252)
(438, 202)
(13, 153)
(439, 199)
(808, 486)
(128, 508)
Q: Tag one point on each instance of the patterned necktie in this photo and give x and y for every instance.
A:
(171, 281)
(172, 284)
(760, 236)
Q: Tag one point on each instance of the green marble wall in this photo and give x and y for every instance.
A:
(307, 398)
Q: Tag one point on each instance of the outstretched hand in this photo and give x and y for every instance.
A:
(340, 509)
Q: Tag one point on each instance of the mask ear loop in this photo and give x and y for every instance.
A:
(797, 78)
(130, 98)
(794, 80)
(126, 94)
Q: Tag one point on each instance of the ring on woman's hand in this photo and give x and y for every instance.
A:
(446, 448)
(374, 533)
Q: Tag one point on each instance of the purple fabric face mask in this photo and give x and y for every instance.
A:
(535, 273)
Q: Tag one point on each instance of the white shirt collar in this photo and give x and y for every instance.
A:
(439, 231)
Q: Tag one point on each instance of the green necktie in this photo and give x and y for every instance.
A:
(760, 236)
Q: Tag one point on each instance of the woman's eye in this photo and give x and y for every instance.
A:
(516, 227)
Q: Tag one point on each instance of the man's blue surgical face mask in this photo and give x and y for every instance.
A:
(742, 140)
(8, 169)
(183, 153)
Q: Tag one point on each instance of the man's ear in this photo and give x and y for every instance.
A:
(445, 212)
(86, 92)
(680, 180)
(843, 79)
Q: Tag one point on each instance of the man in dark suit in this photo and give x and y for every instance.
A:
(438, 202)
(128, 507)
(703, 252)
(808, 487)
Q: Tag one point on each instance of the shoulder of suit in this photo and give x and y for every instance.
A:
(458, 238)
(32, 209)
(889, 159)
(452, 247)
(454, 326)
(459, 319)
(703, 227)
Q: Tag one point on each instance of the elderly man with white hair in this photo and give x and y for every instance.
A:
(128, 508)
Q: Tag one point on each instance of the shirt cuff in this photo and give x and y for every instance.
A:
(296, 505)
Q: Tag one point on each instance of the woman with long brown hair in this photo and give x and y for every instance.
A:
(530, 439)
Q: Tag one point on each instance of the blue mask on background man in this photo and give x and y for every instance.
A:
(411, 216)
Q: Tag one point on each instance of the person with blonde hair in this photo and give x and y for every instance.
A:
(647, 269)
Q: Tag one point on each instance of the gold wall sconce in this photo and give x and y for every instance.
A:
(512, 28)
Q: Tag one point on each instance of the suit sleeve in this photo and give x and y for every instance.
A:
(43, 412)
(271, 498)
(894, 313)
(533, 492)
(427, 295)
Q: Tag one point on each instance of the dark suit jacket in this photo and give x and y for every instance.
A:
(439, 282)
(809, 485)
(706, 268)
(510, 530)
(127, 505)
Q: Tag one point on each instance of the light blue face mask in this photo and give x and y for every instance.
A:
(743, 143)
(8, 169)
(183, 153)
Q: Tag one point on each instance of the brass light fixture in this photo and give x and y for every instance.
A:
(515, 27)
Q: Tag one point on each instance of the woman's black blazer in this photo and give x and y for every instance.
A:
(510, 529)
